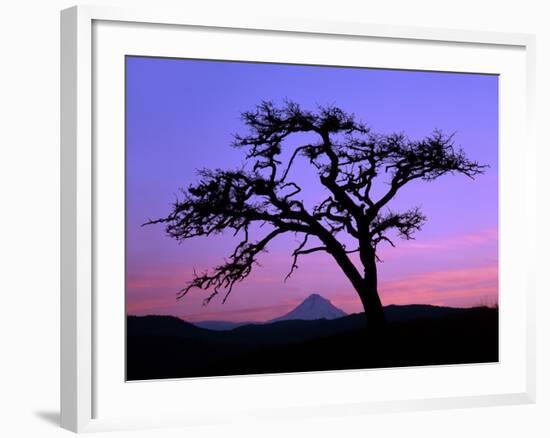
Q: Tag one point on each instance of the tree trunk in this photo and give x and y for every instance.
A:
(374, 311)
(370, 299)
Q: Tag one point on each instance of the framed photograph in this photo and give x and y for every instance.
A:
(253, 208)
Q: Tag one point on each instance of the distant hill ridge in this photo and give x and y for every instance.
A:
(160, 325)
(220, 325)
(164, 325)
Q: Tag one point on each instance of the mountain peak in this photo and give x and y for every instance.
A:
(313, 307)
(315, 296)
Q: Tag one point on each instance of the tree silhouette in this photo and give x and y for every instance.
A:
(360, 171)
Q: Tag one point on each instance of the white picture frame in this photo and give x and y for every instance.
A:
(84, 173)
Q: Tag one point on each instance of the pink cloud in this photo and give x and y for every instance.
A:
(418, 272)
(487, 237)
(458, 287)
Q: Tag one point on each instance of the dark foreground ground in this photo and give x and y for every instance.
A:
(166, 347)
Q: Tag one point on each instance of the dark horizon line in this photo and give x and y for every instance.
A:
(479, 306)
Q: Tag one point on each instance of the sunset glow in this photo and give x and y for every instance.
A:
(181, 115)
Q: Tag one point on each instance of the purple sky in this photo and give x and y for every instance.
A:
(181, 115)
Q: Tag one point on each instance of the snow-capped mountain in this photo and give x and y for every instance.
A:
(313, 307)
